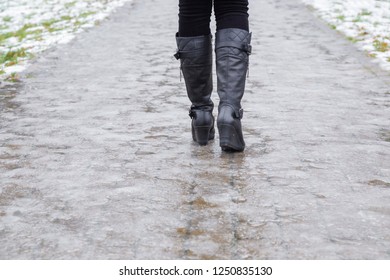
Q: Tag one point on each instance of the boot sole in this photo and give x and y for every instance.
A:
(229, 139)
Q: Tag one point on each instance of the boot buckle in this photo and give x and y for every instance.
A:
(177, 55)
(249, 49)
(239, 114)
(192, 114)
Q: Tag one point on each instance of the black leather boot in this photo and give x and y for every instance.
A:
(195, 54)
(232, 47)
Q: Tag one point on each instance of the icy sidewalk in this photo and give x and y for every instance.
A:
(97, 160)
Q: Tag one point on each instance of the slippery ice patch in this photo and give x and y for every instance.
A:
(365, 22)
(30, 27)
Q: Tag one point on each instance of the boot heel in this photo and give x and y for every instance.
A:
(203, 134)
(229, 139)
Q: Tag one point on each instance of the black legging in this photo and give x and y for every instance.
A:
(194, 16)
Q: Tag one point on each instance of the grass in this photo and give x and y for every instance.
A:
(365, 13)
(354, 40)
(357, 19)
(86, 14)
(363, 33)
(30, 16)
(381, 46)
(67, 18)
(7, 19)
(36, 31)
(77, 24)
(13, 77)
(32, 29)
(70, 4)
(373, 55)
(23, 32)
(20, 33)
(341, 17)
(12, 57)
(48, 23)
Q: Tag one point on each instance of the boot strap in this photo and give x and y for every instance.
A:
(238, 113)
(238, 45)
(206, 108)
(191, 54)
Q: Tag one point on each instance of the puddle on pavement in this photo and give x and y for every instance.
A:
(384, 134)
(200, 203)
(10, 166)
(380, 210)
(190, 232)
(7, 95)
(11, 192)
(209, 203)
(192, 255)
(378, 183)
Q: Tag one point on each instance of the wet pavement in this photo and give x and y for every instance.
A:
(97, 160)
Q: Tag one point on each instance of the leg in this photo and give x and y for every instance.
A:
(194, 17)
(195, 54)
(231, 14)
(232, 47)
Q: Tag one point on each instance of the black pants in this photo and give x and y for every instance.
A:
(194, 16)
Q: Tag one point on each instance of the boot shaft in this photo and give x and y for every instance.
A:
(232, 48)
(195, 54)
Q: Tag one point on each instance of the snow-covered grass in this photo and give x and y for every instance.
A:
(28, 27)
(364, 22)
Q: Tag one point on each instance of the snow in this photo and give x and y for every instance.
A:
(35, 26)
(364, 22)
